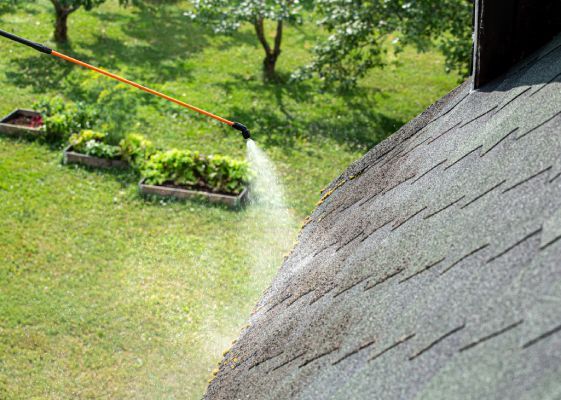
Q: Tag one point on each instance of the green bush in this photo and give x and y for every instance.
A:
(136, 150)
(226, 174)
(64, 118)
(57, 127)
(185, 168)
(49, 106)
(117, 102)
(102, 150)
(93, 144)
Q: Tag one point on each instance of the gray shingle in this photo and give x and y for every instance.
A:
(431, 268)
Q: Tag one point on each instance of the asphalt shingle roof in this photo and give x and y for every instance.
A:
(432, 268)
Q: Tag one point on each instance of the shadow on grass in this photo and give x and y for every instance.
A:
(291, 115)
(40, 72)
(160, 42)
(169, 39)
(8, 7)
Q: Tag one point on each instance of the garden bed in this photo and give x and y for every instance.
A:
(177, 192)
(72, 157)
(22, 123)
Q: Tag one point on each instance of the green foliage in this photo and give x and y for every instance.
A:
(226, 16)
(94, 144)
(147, 4)
(102, 150)
(191, 169)
(116, 103)
(173, 166)
(122, 105)
(79, 140)
(63, 118)
(358, 33)
(136, 150)
(75, 4)
(48, 106)
(226, 174)
(57, 127)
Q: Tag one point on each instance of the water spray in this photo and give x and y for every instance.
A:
(44, 49)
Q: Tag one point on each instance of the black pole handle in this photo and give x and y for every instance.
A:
(36, 46)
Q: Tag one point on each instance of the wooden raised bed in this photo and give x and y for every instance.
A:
(179, 193)
(19, 123)
(72, 157)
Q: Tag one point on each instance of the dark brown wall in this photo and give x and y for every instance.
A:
(508, 31)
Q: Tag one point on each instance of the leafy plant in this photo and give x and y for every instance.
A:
(62, 118)
(93, 144)
(136, 150)
(50, 105)
(102, 150)
(57, 128)
(185, 168)
(226, 174)
(79, 140)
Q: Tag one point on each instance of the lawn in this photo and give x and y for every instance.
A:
(104, 294)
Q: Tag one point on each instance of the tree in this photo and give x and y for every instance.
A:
(63, 8)
(359, 31)
(226, 16)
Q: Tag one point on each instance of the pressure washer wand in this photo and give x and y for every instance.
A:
(46, 50)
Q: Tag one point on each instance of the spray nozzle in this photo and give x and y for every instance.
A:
(243, 129)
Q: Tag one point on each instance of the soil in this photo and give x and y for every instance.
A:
(25, 120)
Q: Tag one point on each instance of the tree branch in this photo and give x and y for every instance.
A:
(57, 6)
(278, 38)
(63, 11)
(260, 31)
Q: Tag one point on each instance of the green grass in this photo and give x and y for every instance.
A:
(104, 294)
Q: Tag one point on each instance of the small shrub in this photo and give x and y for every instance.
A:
(102, 150)
(185, 168)
(226, 174)
(57, 128)
(117, 102)
(136, 150)
(93, 144)
(64, 118)
(50, 106)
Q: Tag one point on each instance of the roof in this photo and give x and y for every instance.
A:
(431, 267)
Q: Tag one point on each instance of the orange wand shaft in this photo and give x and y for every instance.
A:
(139, 86)
(46, 50)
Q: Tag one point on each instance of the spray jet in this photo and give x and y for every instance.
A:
(44, 49)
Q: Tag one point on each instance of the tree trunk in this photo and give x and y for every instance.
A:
(61, 26)
(271, 55)
(269, 64)
(61, 20)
